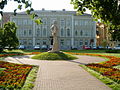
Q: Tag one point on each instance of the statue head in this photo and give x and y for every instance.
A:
(54, 22)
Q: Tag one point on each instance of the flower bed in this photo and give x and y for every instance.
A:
(14, 75)
(105, 68)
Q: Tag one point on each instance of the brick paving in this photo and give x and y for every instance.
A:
(63, 75)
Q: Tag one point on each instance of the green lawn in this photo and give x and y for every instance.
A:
(102, 52)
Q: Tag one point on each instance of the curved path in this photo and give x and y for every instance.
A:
(63, 75)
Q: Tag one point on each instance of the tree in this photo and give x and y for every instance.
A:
(8, 36)
(108, 11)
(27, 4)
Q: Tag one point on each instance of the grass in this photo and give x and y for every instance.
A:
(30, 79)
(102, 52)
(54, 56)
(23, 51)
(118, 67)
(107, 81)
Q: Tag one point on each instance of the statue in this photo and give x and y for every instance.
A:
(55, 32)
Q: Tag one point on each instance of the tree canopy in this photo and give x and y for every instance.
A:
(8, 36)
(108, 11)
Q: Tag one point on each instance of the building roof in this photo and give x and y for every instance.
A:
(50, 11)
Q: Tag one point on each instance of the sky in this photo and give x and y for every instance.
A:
(46, 4)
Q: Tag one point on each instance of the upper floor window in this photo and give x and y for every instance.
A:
(68, 32)
(76, 22)
(30, 22)
(38, 32)
(62, 32)
(44, 21)
(68, 23)
(62, 22)
(44, 32)
(81, 32)
(76, 33)
(30, 32)
(24, 21)
(25, 32)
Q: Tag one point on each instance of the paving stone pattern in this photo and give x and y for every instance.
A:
(63, 75)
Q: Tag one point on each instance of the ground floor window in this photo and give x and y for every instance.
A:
(61, 42)
(81, 42)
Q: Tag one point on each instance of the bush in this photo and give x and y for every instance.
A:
(112, 51)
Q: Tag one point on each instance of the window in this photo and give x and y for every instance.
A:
(68, 32)
(25, 22)
(62, 32)
(24, 42)
(81, 32)
(81, 42)
(30, 22)
(37, 42)
(86, 43)
(21, 42)
(62, 22)
(30, 42)
(76, 33)
(68, 42)
(44, 32)
(86, 34)
(76, 23)
(68, 23)
(38, 32)
(62, 42)
(44, 21)
(25, 32)
(44, 42)
(30, 32)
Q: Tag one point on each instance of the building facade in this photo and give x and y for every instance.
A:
(75, 31)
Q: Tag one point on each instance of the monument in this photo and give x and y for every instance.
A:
(55, 34)
(55, 53)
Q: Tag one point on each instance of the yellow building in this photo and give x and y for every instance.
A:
(102, 35)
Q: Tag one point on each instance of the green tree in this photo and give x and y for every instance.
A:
(108, 11)
(8, 36)
(1, 39)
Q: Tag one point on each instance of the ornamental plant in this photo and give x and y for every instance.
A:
(14, 75)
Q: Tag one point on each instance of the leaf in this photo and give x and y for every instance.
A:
(23, 1)
(38, 21)
(19, 7)
(28, 12)
(33, 15)
(15, 12)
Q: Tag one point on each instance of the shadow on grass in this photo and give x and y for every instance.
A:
(93, 51)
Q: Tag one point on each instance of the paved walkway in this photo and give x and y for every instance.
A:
(63, 75)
